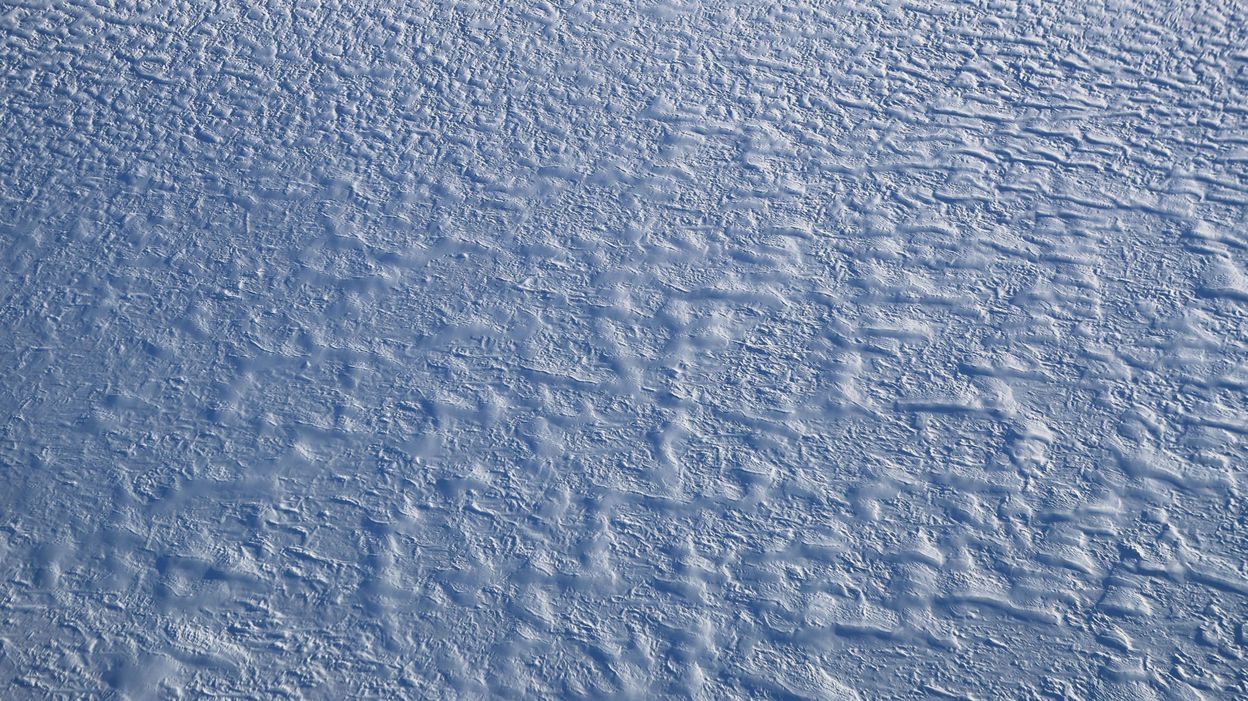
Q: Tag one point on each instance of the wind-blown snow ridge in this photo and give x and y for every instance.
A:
(531, 350)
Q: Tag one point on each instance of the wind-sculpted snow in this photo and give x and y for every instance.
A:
(846, 350)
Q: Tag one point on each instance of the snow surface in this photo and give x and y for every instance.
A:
(605, 350)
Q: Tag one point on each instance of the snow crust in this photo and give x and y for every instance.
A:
(808, 350)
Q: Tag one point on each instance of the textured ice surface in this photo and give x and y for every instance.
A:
(820, 350)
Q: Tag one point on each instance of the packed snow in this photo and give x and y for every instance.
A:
(887, 349)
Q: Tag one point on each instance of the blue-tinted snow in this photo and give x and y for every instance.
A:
(530, 350)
